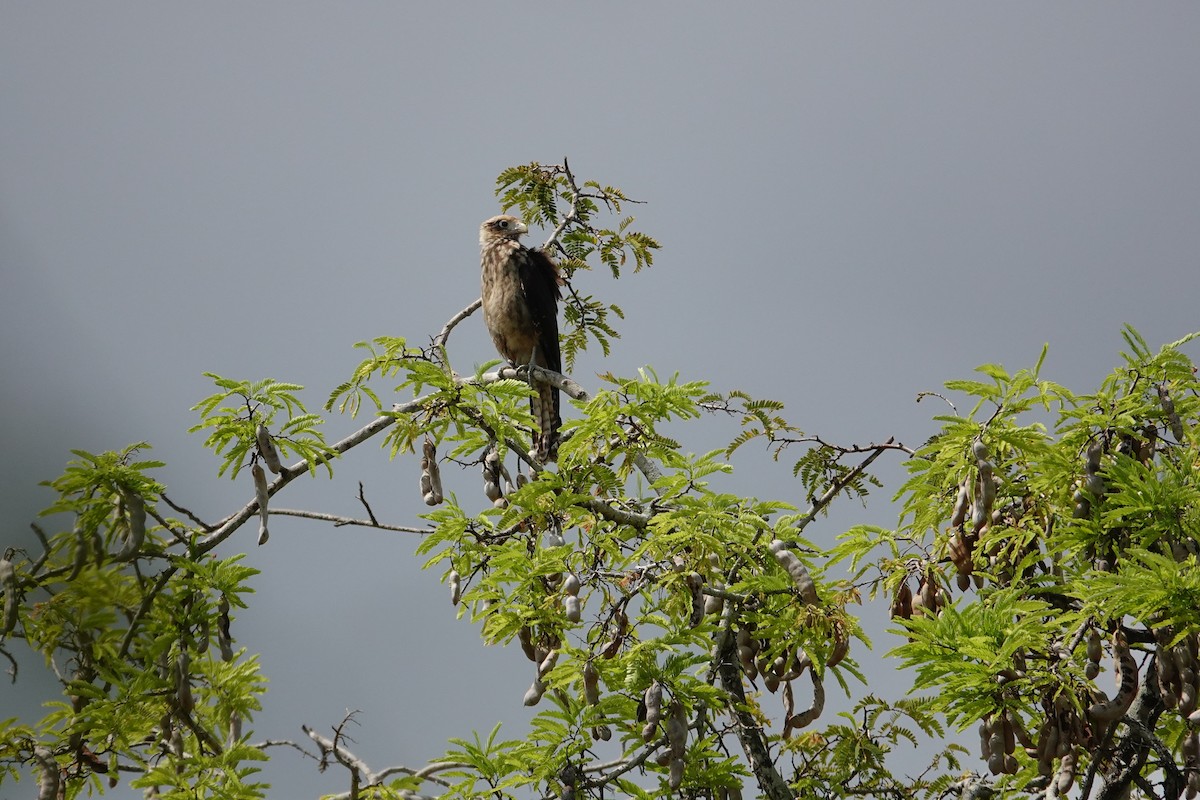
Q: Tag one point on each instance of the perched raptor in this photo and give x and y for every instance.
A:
(520, 309)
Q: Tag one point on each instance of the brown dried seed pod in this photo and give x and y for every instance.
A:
(958, 514)
(713, 604)
(796, 570)
(547, 663)
(1095, 647)
(675, 774)
(266, 449)
(1168, 407)
(1190, 747)
(183, 687)
(602, 732)
(591, 684)
(840, 649)
(533, 694)
(1091, 670)
(572, 608)
(1008, 735)
(677, 729)
(49, 782)
(1127, 673)
(525, 638)
(1066, 772)
(260, 491)
(928, 594)
(902, 603)
(809, 715)
(653, 700)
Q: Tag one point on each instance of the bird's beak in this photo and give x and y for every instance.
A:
(522, 227)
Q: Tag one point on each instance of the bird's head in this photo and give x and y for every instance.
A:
(504, 226)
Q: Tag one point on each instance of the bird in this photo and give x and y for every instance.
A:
(520, 309)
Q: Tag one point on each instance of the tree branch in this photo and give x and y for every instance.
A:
(339, 521)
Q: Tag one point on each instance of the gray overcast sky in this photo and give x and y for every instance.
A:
(856, 202)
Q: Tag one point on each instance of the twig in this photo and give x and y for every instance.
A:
(444, 335)
(339, 521)
(362, 499)
(181, 510)
(840, 484)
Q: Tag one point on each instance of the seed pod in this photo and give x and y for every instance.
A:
(591, 684)
(49, 782)
(8, 582)
(695, 584)
(807, 717)
(533, 694)
(260, 490)
(714, 605)
(841, 647)
(1168, 407)
(677, 728)
(796, 569)
(1018, 729)
(1066, 772)
(547, 663)
(455, 581)
(1108, 710)
(572, 608)
(675, 774)
(224, 640)
(1095, 648)
(928, 594)
(799, 663)
(746, 651)
(431, 474)
(183, 684)
(571, 585)
(266, 449)
(985, 496)
(602, 732)
(902, 603)
(653, 701)
(958, 515)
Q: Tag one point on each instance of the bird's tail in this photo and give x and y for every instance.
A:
(545, 407)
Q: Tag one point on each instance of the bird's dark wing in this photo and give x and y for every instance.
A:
(540, 281)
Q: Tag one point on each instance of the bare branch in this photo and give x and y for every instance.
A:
(363, 499)
(837, 486)
(181, 510)
(339, 521)
(444, 335)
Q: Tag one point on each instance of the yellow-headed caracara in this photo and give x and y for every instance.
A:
(520, 309)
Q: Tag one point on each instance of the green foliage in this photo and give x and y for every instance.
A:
(233, 426)
(667, 620)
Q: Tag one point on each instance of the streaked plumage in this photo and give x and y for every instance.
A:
(520, 309)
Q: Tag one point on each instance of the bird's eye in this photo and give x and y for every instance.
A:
(502, 224)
